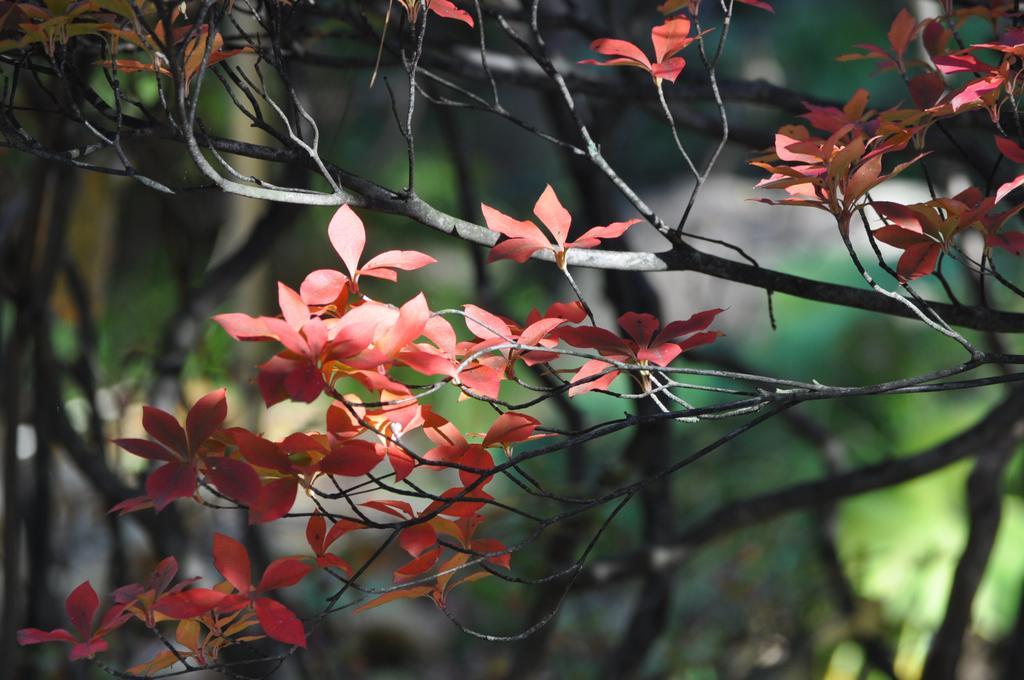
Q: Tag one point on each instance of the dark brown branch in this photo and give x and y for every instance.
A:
(984, 500)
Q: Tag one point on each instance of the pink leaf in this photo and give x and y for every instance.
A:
(1008, 187)
(406, 260)
(553, 214)
(322, 287)
(592, 237)
(293, 307)
(348, 236)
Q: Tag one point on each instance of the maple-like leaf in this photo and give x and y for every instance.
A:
(668, 39)
(181, 452)
(524, 238)
(646, 344)
(232, 560)
(81, 607)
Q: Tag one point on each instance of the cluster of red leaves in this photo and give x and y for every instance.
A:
(835, 172)
(334, 342)
(208, 619)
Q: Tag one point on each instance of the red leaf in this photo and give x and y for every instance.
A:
(271, 380)
(670, 37)
(458, 508)
(328, 560)
(926, 88)
(81, 606)
(612, 47)
(164, 428)
(959, 63)
(902, 31)
(316, 531)
(393, 595)
(1010, 149)
(340, 528)
(170, 482)
(353, 458)
(279, 622)
(275, 501)
(205, 417)
(640, 327)
(145, 449)
(1010, 241)
(418, 566)
(476, 457)
(189, 603)
(88, 649)
(698, 340)
(232, 560)
(233, 478)
(260, 452)
(493, 545)
(582, 382)
(304, 382)
(132, 505)
(448, 10)
(899, 237)
(509, 428)
(417, 538)
(918, 260)
(400, 509)
(282, 573)
(34, 636)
